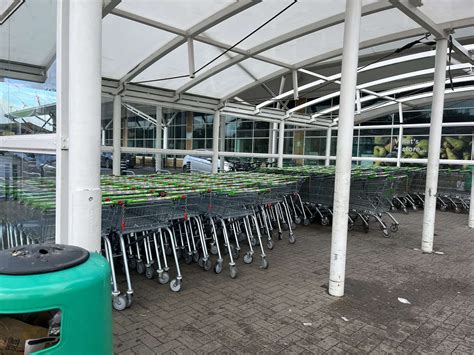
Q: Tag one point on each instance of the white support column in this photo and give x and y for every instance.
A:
(62, 121)
(274, 139)
(222, 142)
(117, 135)
(471, 205)
(158, 137)
(434, 146)
(400, 133)
(327, 162)
(281, 143)
(165, 142)
(215, 141)
(191, 57)
(84, 123)
(271, 134)
(165, 137)
(296, 95)
(344, 147)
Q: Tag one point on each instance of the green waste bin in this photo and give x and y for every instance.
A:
(37, 279)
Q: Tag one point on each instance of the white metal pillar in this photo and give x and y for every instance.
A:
(400, 133)
(281, 143)
(62, 121)
(274, 139)
(215, 141)
(222, 142)
(117, 135)
(471, 205)
(84, 123)
(165, 137)
(158, 138)
(434, 146)
(327, 162)
(165, 142)
(344, 147)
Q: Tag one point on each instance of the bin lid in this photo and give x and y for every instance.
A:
(40, 259)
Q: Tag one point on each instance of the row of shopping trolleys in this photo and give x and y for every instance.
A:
(210, 229)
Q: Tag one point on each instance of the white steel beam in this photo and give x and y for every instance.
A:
(419, 17)
(344, 150)
(274, 42)
(368, 113)
(117, 135)
(31, 143)
(85, 204)
(393, 91)
(465, 22)
(202, 26)
(434, 148)
(462, 51)
(139, 113)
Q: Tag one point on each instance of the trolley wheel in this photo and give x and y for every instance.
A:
(324, 221)
(457, 210)
(394, 228)
(253, 240)
(264, 263)
(195, 257)
(306, 222)
(350, 226)
(163, 278)
(291, 238)
(214, 249)
(235, 251)
(175, 285)
(366, 228)
(149, 272)
(414, 208)
(284, 226)
(293, 225)
(132, 263)
(280, 235)
(241, 236)
(129, 299)
(248, 258)
(207, 264)
(405, 210)
(179, 253)
(168, 250)
(218, 267)
(386, 233)
(233, 271)
(119, 302)
(298, 220)
(442, 208)
(201, 262)
(270, 244)
(188, 258)
(140, 267)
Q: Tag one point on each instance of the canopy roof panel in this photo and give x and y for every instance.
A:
(182, 14)
(222, 48)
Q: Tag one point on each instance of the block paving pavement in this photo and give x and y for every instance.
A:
(286, 309)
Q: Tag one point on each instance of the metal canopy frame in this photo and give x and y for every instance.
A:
(181, 98)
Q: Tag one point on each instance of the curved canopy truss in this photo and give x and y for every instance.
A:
(203, 55)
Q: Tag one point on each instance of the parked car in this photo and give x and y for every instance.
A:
(201, 163)
(127, 162)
